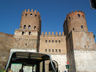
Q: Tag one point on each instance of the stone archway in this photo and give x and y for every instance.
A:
(55, 64)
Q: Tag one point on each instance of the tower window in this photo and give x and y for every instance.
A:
(81, 26)
(59, 50)
(56, 41)
(78, 15)
(69, 18)
(25, 44)
(52, 40)
(23, 33)
(31, 14)
(49, 50)
(35, 15)
(52, 50)
(25, 14)
(56, 50)
(29, 26)
(49, 40)
(73, 29)
(29, 33)
(45, 50)
(46, 41)
(24, 26)
(34, 27)
(59, 41)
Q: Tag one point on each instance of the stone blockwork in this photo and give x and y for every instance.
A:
(75, 21)
(30, 20)
(83, 40)
(80, 43)
(26, 40)
(6, 43)
(28, 35)
(85, 61)
(53, 43)
(61, 62)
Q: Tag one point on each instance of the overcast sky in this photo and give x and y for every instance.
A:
(53, 13)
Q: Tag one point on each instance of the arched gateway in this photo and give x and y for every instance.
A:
(55, 64)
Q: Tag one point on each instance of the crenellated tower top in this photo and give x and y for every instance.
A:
(31, 12)
(30, 20)
(72, 14)
(75, 21)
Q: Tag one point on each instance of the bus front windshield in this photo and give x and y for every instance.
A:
(30, 62)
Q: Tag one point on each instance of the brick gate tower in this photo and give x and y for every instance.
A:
(27, 36)
(80, 43)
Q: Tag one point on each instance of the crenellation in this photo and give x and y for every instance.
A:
(42, 34)
(28, 10)
(25, 11)
(45, 33)
(62, 33)
(56, 33)
(38, 13)
(52, 34)
(59, 33)
(35, 12)
(75, 21)
(31, 10)
(49, 33)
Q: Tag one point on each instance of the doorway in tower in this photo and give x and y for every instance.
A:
(55, 64)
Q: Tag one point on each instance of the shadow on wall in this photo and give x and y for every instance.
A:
(70, 53)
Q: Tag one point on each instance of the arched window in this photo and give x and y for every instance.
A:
(73, 29)
(52, 50)
(25, 14)
(55, 64)
(81, 26)
(78, 15)
(59, 50)
(56, 41)
(24, 26)
(34, 27)
(46, 41)
(45, 50)
(31, 14)
(49, 50)
(29, 26)
(59, 41)
(69, 18)
(56, 50)
(29, 33)
(25, 44)
(23, 33)
(35, 15)
(52, 41)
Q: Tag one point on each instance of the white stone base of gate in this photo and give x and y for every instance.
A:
(61, 60)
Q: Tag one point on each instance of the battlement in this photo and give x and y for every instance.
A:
(52, 34)
(76, 13)
(30, 12)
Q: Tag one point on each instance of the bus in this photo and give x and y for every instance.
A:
(28, 61)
